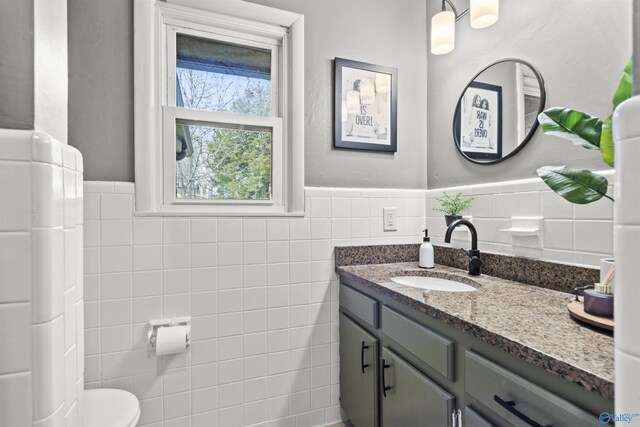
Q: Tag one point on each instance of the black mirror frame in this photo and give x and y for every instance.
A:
(532, 131)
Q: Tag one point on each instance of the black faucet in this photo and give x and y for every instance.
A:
(474, 253)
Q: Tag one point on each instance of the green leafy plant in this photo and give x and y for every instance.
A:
(453, 205)
(582, 186)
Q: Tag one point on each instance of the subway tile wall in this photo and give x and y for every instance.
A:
(41, 290)
(262, 294)
(576, 234)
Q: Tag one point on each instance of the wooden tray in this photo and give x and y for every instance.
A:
(576, 310)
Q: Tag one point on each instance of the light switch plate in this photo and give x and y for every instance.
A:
(389, 219)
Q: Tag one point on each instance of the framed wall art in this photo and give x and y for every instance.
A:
(366, 105)
(479, 121)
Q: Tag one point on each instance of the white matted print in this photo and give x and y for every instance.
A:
(365, 104)
(480, 121)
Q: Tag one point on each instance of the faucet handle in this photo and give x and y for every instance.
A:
(474, 262)
(474, 265)
(471, 253)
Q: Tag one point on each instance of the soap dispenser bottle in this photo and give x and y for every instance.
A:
(426, 251)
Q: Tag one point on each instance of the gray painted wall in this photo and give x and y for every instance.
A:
(51, 68)
(101, 87)
(580, 48)
(385, 32)
(16, 64)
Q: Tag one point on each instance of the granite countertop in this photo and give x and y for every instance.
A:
(530, 322)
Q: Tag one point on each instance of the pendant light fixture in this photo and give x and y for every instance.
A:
(483, 13)
(443, 32)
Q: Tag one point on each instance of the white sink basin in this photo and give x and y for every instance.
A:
(433, 284)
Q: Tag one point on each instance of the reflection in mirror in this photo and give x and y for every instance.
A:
(497, 112)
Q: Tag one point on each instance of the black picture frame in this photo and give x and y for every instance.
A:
(477, 132)
(365, 106)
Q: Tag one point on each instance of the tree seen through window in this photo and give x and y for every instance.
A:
(224, 162)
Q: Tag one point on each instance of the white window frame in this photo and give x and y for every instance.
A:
(155, 26)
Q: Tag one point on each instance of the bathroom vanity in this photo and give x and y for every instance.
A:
(505, 354)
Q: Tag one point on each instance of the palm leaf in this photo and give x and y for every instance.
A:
(625, 87)
(578, 127)
(579, 186)
(606, 141)
(623, 92)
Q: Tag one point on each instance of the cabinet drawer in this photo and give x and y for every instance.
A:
(433, 349)
(513, 398)
(473, 419)
(360, 305)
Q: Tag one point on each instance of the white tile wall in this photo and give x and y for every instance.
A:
(262, 294)
(41, 289)
(580, 234)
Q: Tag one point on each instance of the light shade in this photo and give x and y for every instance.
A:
(484, 13)
(443, 32)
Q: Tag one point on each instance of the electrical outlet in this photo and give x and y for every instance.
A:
(389, 219)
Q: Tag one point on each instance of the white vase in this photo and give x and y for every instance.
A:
(605, 265)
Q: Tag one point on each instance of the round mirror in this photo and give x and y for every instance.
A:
(497, 113)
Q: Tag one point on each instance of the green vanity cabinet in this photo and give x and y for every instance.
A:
(358, 373)
(400, 367)
(409, 398)
(378, 387)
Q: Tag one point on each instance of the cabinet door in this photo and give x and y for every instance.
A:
(410, 399)
(358, 370)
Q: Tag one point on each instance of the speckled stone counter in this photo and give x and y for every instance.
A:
(529, 322)
(544, 274)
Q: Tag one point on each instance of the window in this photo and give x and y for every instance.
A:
(219, 109)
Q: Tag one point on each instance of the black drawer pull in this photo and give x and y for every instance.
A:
(384, 365)
(363, 347)
(510, 406)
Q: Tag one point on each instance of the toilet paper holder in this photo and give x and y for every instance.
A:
(154, 325)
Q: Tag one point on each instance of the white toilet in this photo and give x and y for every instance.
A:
(109, 407)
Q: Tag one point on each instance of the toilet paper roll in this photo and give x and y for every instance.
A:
(171, 340)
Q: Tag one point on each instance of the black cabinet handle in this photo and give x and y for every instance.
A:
(510, 406)
(363, 347)
(384, 365)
